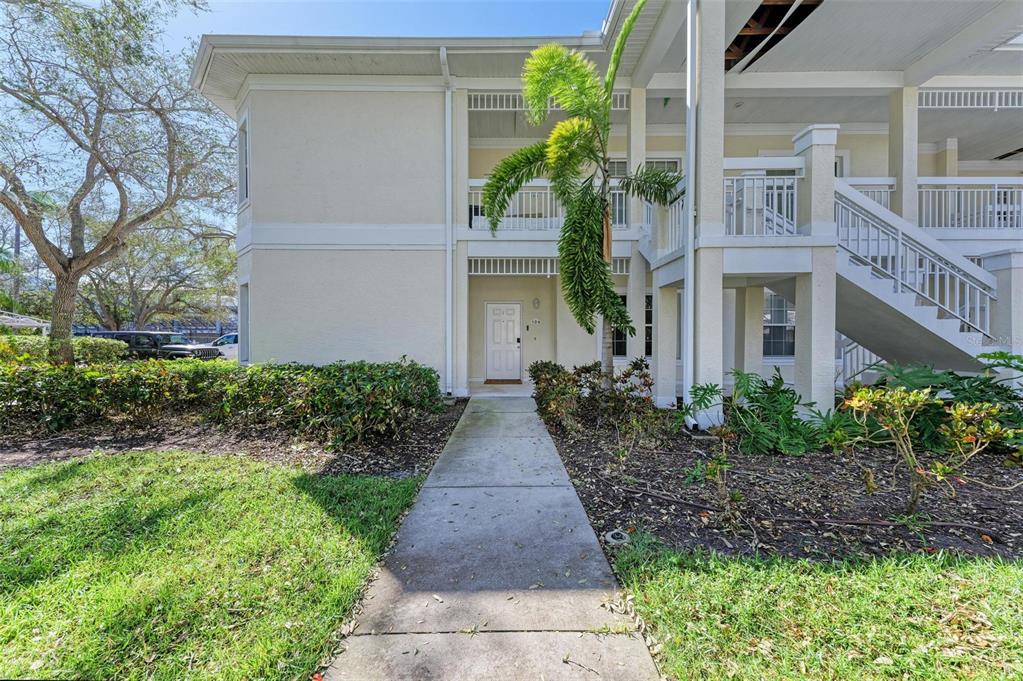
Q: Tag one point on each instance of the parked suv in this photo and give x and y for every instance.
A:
(226, 345)
(160, 345)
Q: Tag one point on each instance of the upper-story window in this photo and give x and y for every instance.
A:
(243, 162)
(619, 167)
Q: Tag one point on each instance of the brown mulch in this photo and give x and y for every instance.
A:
(787, 501)
(413, 452)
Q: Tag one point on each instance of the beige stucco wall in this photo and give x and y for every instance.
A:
(538, 342)
(339, 157)
(323, 305)
(868, 153)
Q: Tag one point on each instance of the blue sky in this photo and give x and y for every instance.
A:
(391, 18)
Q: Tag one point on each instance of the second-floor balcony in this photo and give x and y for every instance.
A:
(973, 203)
(534, 208)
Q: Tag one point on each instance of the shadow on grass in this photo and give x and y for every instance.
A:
(366, 506)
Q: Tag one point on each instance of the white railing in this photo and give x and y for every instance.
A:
(673, 237)
(971, 202)
(513, 101)
(760, 205)
(535, 208)
(912, 265)
(855, 360)
(877, 189)
(971, 99)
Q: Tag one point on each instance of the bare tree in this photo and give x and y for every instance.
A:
(90, 112)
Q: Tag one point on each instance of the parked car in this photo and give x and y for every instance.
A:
(227, 345)
(159, 345)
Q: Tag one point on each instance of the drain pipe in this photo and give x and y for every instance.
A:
(689, 293)
(449, 242)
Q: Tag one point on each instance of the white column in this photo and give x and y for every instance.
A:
(749, 329)
(948, 158)
(461, 385)
(1007, 311)
(707, 179)
(666, 326)
(903, 147)
(636, 146)
(815, 290)
(636, 345)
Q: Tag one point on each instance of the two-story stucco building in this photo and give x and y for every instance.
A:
(854, 189)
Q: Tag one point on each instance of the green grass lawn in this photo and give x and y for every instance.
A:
(919, 617)
(175, 565)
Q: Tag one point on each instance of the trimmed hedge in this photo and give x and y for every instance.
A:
(341, 402)
(88, 350)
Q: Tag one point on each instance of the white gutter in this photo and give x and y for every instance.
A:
(449, 274)
(689, 293)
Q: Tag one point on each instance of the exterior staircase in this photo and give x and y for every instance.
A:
(902, 294)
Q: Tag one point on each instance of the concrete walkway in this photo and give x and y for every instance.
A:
(496, 573)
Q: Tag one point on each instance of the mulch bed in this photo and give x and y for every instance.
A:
(659, 491)
(412, 452)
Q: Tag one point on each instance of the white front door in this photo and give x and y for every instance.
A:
(504, 360)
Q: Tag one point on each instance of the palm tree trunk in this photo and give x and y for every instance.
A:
(607, 341)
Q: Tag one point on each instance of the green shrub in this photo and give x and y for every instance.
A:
(762, 414)
(344, 402)
(88, 350)
(556, 392)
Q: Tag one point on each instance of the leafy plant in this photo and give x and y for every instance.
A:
(888, 416)
(702, 396)
(87, 350)
(762, 414)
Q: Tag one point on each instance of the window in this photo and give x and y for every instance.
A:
(620, 340)
(619, 167)
(144, 342)
(670, 165)
(243, 162)
(779, 327)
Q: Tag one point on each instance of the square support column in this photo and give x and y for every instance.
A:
(638, 268)
(461, 384)
(1007, 311)
(903, 147)
(749, 329)
(948, 158)
(815, 330)
(666, 326)
(816, 290)
(636, 146)
(703, 344)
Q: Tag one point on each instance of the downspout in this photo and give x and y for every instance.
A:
(449, 242)
(689, 293)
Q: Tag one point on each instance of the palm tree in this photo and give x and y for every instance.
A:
(575, 159)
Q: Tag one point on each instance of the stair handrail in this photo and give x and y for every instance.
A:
(908, 240)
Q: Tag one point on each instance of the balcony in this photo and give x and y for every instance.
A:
(534, 208)
(990, 203)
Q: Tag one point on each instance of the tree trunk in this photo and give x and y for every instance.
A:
(64, 298)
(607, 342)
(607, 353)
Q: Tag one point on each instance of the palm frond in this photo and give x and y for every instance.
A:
(508, 177)
(653, 185)
(569, 146)
(585, 275)
(554, 72)
(619, 48)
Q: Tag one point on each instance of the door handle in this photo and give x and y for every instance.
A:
(518, 340)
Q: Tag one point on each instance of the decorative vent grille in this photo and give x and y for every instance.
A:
(512, 101)
(542, 267)
(970, 99)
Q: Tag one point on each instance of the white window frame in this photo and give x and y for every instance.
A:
(843, 159)
(648, 296)
(767, 298)
(244, 164)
